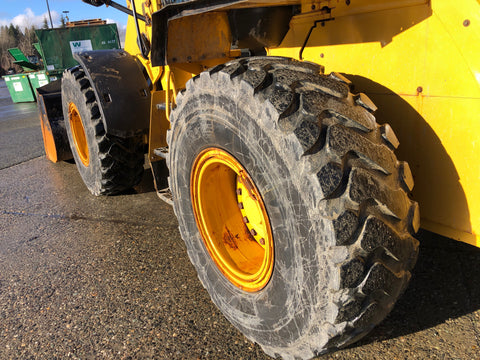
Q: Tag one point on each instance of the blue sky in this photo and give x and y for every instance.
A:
(31, 12)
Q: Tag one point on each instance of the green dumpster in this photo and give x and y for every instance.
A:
(57, 46)
(19, 87)
(38, 79)
(22, 60)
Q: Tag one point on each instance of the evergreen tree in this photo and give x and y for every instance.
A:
(10, 37)
(30, 34)
(14, 32)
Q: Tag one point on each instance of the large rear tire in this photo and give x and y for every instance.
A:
(329, 200)
(107, 164)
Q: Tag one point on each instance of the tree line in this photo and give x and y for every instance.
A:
(13, 37)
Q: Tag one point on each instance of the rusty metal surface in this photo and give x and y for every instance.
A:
(212, 38)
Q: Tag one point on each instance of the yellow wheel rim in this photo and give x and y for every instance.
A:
(78, 134)
(232, 219)
(48, 139)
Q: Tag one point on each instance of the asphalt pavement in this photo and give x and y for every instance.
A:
(87, 277)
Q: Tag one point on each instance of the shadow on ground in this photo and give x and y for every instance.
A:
(145, 186)
(446, 282)
(445, 285)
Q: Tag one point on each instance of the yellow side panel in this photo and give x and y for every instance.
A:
(421, 65)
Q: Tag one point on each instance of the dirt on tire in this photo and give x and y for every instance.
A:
(336, 196)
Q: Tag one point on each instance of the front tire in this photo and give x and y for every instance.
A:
(335, 199)
(107, 164)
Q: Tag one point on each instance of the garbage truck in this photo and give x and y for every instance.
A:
(273, 128)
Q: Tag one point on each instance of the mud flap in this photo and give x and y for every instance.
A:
(55, 140)
(121, 91)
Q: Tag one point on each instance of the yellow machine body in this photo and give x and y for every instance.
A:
(418, 60)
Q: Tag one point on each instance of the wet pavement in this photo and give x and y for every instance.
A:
(19, 126)
(86, 277)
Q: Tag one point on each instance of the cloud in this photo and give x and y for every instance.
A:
(28, 19)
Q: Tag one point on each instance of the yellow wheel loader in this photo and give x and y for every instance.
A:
(268, 125)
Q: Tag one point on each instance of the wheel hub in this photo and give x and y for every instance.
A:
(232, 219)
(78, 134)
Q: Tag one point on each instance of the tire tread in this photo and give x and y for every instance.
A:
(121, 160)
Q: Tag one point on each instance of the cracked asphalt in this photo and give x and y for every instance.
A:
(108, 278)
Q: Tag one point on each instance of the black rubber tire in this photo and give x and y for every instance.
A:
(334, 191)
(116, 164)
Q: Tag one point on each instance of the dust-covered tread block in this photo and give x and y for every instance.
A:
(345, 226)
(380, 277)
(342, 140)
(371, 315)
(339, 77)
(389, 136)
(350, 310)
(255, 78)
(364, 101)
(307, 133)
(366, 185)
(352, 272)
(376, 234)
(406, 176)
(330, 177)
(281, 98)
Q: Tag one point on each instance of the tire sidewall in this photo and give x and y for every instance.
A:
(72, 93)
(246, 127)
